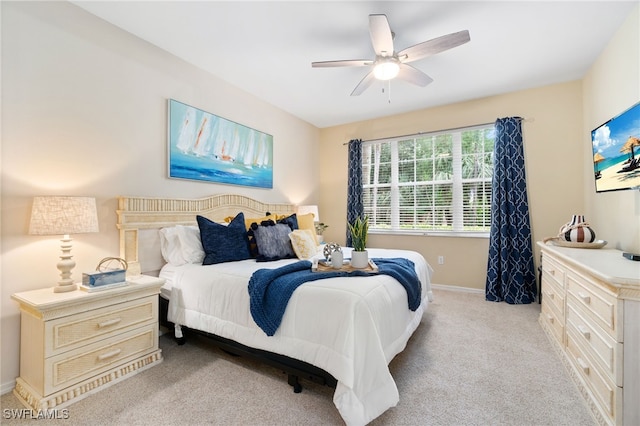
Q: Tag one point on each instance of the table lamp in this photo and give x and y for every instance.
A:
(309, 209)
(55, 215)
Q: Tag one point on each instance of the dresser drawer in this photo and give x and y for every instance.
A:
(600, 306)
(554, 270)
(71, 332)
(553, 323)
(553, 295)
(608, 395)
(600, 346)
(88, 361)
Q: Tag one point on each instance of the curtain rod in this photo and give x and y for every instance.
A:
(436, 131)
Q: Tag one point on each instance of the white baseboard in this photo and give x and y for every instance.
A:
(457, 288)
(7, 387)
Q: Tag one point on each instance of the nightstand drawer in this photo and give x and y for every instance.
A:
(600, 346)
(70, 332)
(90, 360)
(600, 306)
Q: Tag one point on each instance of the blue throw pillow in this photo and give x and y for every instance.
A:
(273, 242)
(224, 243)
(292, 221)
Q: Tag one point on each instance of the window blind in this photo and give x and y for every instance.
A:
(439, 181)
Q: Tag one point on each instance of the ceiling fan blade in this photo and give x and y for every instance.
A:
(413, 75)
(433, 46)
(381, 36)
(364, 84)
(345, 63)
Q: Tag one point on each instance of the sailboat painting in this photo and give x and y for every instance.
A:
(203, 146)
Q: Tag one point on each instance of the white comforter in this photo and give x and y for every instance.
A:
(350, 327)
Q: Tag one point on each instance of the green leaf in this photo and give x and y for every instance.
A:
(359, 230)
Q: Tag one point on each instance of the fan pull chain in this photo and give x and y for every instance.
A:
(388, 90)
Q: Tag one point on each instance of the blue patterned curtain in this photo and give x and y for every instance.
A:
(355, 208)
(510, 272)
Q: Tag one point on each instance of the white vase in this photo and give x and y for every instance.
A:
(359, 259)
(336, 259)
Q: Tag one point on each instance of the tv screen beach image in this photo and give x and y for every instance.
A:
(616, 152)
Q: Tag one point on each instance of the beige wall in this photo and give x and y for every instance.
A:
(554, 165)
(84, 108)
(611, 86)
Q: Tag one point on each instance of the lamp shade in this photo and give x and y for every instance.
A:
(309, 209)
(56, 215)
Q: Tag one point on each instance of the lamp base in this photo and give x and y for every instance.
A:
(65, 265)
(64, 288)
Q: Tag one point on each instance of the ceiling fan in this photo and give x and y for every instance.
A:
(388, 63)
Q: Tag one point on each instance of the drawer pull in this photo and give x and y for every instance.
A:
(585, 297)
(109, 322)
(583, 366)
(109, 354)
(552, 272)
(584, 331)
(550, 318)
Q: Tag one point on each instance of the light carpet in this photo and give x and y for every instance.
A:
(470, 362)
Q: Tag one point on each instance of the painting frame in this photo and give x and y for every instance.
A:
(206, 147)
(616, 152)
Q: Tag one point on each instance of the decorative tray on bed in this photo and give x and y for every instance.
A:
(324, 266)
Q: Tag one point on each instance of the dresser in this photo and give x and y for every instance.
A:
(591, 313)
(75, 343)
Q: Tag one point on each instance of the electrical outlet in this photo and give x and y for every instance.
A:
(440, 260)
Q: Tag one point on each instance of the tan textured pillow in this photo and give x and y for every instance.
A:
(303, 243)
(306, 221)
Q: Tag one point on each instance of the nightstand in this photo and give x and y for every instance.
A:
(76, 343)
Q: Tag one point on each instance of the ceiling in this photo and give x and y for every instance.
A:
(266, 47)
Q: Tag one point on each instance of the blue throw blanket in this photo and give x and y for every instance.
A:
(271, 289)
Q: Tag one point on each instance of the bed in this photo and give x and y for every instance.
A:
(365, 319)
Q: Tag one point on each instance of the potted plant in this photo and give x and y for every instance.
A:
(320, 227)
(359, 230)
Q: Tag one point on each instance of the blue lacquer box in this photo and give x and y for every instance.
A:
(96, 279)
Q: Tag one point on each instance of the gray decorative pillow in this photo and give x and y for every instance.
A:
(273, 242)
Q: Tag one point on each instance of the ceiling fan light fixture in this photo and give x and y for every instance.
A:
(386, 70)
(389, 63)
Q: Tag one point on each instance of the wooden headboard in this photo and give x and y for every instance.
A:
(140, 219)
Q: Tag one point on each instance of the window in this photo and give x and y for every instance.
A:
(431, 182)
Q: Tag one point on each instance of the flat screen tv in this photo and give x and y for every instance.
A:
(616, 152)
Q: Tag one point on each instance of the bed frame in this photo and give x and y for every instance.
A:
(140, 219)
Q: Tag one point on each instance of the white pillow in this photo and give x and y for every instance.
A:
(170, 246)
(181, 244)
(303, 243)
